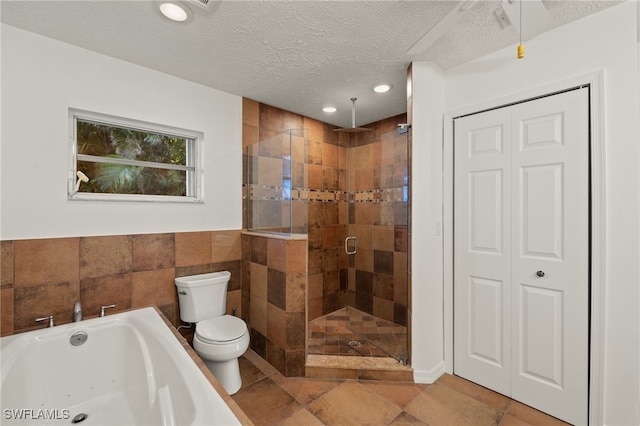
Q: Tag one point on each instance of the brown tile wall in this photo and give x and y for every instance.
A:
(374, 164)
(377, 175)
(44, 277)
(279, 156)
(267, 166)
(273, 295)
(326, 152)
(323, 170)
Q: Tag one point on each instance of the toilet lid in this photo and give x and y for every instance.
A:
(221, 329)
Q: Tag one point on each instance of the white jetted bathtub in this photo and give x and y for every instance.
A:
(131, 370)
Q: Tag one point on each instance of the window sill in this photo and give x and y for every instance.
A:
(87, 196)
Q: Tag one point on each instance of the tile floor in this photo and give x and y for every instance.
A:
(268, 398)
(350, 332)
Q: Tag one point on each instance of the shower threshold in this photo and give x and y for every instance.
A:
(357, 367)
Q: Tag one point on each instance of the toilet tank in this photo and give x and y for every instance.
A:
(202, 296)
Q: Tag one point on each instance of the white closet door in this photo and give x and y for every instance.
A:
(551, 235)
(482, 249)
(544, 286)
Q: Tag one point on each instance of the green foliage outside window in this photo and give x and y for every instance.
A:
(106, 142)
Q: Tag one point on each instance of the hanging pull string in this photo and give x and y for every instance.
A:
(520, 46)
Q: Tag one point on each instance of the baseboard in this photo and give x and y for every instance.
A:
(429, 376)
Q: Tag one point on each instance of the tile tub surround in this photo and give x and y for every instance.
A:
(42, 277)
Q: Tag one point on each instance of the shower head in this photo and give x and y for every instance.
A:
(353, 129)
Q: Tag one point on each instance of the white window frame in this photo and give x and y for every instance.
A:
(194, 167)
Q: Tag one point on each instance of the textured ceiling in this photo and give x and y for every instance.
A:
(297, 55)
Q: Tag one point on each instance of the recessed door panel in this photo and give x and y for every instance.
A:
(541, 220)
(541, 349)
(544, 131)
(485, 320)
(486, 141)
(485, 200)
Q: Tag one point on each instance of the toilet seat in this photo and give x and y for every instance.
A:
(221, 330)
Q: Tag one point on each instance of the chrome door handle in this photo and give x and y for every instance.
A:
(540, 274)
(346, 245)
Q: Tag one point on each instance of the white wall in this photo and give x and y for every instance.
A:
(638, 39)
(427, 315)
(41, 79)
(605, 41)
(638, 26)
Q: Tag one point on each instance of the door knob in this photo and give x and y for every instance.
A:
(540, 274)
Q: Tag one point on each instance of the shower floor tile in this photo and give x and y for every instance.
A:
(350, 332)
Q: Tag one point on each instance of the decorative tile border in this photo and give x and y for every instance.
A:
(277, 193)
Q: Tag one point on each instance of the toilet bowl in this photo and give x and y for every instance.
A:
(219, 338)
(213, 341)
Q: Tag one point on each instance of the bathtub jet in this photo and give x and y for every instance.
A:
(79, 418)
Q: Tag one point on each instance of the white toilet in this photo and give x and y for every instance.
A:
(219, 339)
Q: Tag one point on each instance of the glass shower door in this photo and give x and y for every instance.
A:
(376, 244)
(275, 184)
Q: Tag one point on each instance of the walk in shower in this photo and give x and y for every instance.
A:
(347, 194)
(368, 317)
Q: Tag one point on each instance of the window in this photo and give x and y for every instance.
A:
(121, 159)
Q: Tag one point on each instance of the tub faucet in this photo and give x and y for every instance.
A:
(105, 307)
(77, 312)
(49, 319)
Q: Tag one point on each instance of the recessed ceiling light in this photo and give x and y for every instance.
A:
(329, 109)
(175, 11)
(382, 88)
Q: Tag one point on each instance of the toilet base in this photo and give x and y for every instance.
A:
(227, 373)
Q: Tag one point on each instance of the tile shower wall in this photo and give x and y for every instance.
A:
(273, 291)
(327, 218)
(276, 187)
(326, 208)
(373, 208)
(275, 269)
(44, 277)
(267, 168)
(378, 188)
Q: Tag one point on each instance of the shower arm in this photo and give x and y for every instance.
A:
(353, 112)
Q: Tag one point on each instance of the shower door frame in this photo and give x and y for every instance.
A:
(377, 195)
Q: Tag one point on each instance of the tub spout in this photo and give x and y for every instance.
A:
(77, 312)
